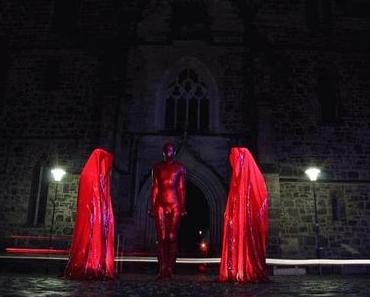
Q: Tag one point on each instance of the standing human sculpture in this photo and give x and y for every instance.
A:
(168, 206)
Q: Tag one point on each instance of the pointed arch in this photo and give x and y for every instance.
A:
(207, 81)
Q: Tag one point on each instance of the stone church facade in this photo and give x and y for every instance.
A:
(290, 81)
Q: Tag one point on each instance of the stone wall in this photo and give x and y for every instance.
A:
(67, 108)
(152, 68)
(17, 176)
(97, 78)
(275, 210)
(344, 235)
(301, 137)
(65, 198)
(58, 123)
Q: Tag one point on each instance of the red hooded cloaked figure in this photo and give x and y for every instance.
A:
(243, 256)
(92, 248)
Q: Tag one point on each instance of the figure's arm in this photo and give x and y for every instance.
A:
(154, 193)
(181, 191)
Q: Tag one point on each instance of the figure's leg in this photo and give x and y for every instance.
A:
(162, 242)
(173, 223)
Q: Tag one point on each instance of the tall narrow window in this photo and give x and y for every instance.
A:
(187, 103)
(193, 114)
(39, 194)
(170, 115)
(181, 114)
(204, 114)
(337, 207)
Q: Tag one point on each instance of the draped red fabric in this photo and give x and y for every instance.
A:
(245, 222)
(92, 248)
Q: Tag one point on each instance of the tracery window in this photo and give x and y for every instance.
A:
(187, 103)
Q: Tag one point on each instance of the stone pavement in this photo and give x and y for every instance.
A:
(134, 285)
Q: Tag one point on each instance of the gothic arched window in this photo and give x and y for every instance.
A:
(187, 103)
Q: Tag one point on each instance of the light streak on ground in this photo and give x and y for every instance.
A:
(269, 261)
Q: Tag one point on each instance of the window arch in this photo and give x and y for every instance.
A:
(187, 103)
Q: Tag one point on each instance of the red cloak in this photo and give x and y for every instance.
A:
(245, 222)
(92, 248)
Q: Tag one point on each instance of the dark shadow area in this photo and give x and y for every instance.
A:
(196, 220)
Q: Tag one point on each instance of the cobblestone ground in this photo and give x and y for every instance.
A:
(133, 285)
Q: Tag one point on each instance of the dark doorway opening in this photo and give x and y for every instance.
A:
(196, 220)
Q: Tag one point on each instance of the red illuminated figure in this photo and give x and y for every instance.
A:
(245, 222)
(92, 248)
(168, 206)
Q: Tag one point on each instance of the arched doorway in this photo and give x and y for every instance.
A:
(197, 219)
(205, 181)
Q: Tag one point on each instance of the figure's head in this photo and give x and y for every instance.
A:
(168, 151)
